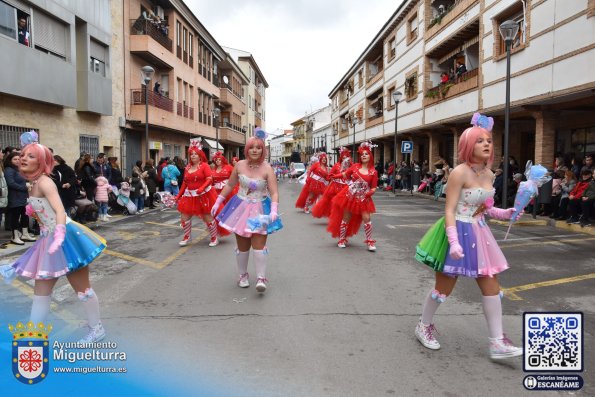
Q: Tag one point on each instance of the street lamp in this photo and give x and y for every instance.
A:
(353, 122)
(508, 31)
(146, 76)
(216, 113)
(396, 97)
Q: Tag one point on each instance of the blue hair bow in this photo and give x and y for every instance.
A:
(483, 121)
(28, 138)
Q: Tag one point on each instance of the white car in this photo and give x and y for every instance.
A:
(296, 170)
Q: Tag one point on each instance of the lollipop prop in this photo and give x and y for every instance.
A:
(536, 177)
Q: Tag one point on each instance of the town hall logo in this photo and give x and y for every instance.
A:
(30, 351)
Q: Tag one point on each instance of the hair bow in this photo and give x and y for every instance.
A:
(28, 138)
(483, 121)
(260, 133)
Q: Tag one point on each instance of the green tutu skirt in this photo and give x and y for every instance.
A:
(431, 250)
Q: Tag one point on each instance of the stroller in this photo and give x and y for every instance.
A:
(112, 203)
(124, 200)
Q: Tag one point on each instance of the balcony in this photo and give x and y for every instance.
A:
(467, 81)
(155, 100)
(228, 97)
(185, 111)
(258, 115)
(142, 27)
(440, 22)
(231, 133)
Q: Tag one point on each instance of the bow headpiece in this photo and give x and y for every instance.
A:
(28, 138)
(260, 133)
(195, 145)
(483, 121)
(367, 144)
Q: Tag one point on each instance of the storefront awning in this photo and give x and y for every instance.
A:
(212, 144)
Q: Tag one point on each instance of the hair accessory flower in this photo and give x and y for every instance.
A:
(29, 137)
(260, 133)
(195, 145)
(483, 121)
(367, 144)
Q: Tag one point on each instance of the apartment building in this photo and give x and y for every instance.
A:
(312, 133)
(58, 73)
(197, 90)
(424, 41)
(255, 91)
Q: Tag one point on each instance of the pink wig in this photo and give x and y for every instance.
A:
(467, 143)
(197, 150)
(43, 156)
(255, 141)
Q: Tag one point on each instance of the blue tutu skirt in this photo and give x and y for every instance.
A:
(80, 247)
(245, 217)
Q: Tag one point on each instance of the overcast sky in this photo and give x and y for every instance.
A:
(303, 47)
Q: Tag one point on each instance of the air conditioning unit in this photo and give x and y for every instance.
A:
(159, 11)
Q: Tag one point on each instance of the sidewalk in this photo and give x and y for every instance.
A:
(526, 219)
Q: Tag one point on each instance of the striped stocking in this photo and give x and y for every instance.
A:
(368, 231)
(187, 228)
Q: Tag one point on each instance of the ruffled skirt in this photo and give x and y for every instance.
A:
(80, 247)
(483, 257)
(246, 218)
(197, 205)
(324, 204)
(345, 201)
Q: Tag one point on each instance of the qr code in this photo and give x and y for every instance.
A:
(553, 342)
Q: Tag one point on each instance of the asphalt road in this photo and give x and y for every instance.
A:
(334, 322)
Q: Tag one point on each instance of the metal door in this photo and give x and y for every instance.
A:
(133, 151)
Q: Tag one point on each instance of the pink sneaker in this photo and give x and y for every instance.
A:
(244, 282)
(503, 348)
(425, 335)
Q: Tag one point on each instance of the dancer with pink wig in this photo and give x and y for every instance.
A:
(252, 214)
(65, 248)
(464, 234)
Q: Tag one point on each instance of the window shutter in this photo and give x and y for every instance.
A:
(49, 33)
(98, 51)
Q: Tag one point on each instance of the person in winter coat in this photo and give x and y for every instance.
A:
(101, 196)
(18, 193)
(170, 175)
(137, 191)
(116, 172)
(65, 180)
(151, 181)
(86, 173)
(3, 188)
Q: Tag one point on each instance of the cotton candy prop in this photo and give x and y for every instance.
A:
(536, 177)
(260, 222)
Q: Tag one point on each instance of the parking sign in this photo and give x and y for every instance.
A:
(407, 147)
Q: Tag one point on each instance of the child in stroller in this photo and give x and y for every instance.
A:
(124, 200)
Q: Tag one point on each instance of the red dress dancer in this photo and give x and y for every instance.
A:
(221, 175)
(196, 196)
(354, 203)
(316, 183)
(323, 205)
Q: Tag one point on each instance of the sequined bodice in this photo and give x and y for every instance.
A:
(470, 200)
(252, 189)
(43, 212)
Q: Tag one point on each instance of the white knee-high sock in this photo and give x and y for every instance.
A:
(242, 260)
(430, 306)
(260, 262)
(492, 309)
(40, 308)
(91, 304)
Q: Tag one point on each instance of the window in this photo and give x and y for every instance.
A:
(411, 86)
(360, 78)
(51, 35)
(390, 103)
(98, 57)
(514, 13)
(10, 135)
(89, 144)
(412, 28)
(177, 151)
(178, 34)
(167, 150)
(392, 48)
(190, 51)
(8, 20)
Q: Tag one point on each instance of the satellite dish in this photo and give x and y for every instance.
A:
(225, 79)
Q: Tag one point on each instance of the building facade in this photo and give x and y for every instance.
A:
(61, 80)
(552, 81)
(312, 133)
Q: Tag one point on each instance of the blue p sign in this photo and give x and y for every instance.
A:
(406, 147)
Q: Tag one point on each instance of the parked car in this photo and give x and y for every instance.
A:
(296, 170)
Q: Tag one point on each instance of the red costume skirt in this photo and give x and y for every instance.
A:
(312, 186)
(199, 206)
(345, 201)
(324, 204)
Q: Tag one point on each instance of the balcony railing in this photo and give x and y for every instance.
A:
(453, 87)
(227, 124)
(184, 110)
(441, 21)
(142, 26)
(156, 100)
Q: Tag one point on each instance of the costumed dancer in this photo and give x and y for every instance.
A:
(322, 208)
(354, 204)
(197, 196)
(65, 248)
(252, 213)
(464, 234)
(316, 182)
(221, 173)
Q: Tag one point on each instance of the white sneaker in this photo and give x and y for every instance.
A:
(342, 243)
(95, 334)
(371, 247)
(214, 242)
(425, 335)
(108, 215)
(503, 348)
(244, 282)
(184, 242)
(261, 284)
